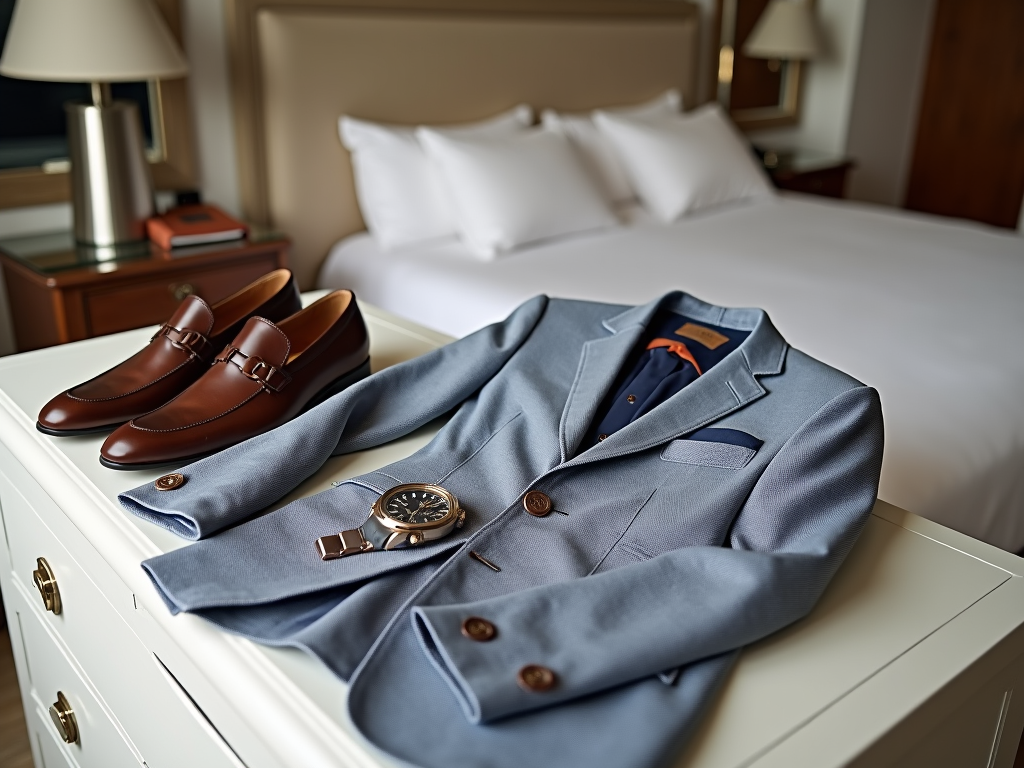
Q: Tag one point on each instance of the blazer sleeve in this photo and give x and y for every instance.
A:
(235, 483)
(801, 519)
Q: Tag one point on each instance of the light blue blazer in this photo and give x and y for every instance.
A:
(665, 556)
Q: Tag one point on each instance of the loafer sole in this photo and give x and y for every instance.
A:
(75, 432)
(338, 385)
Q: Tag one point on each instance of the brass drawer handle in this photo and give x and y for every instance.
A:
(64, 719)
(181, 291)
(46, 583)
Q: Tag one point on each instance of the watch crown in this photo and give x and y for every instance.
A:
(414, 539)
(461, 521)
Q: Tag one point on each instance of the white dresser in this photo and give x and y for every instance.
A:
(915, 656)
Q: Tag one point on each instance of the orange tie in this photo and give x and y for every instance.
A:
(676, 348)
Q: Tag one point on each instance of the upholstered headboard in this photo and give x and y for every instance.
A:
(300, 64)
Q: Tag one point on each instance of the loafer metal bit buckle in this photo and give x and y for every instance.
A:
(251, 367)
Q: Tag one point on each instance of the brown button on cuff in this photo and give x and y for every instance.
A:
(480, 630)
(170, 482)
(536, 678)
(537, 503)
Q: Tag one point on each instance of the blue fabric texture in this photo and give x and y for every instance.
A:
(705, 453)
(712, 520)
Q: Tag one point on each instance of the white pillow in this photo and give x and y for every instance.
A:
(598, 154)
(685, 162)
(515, 189)
(399, 193)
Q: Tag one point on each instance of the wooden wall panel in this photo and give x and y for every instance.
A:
(969, 153)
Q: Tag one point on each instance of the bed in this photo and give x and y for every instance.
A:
(926, 310)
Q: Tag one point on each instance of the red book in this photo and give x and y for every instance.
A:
(194, 225)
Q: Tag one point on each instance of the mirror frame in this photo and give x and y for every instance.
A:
(172, 163)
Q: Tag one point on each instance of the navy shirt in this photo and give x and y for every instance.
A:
(673, 352)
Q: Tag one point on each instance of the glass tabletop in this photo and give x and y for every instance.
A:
(54, 252)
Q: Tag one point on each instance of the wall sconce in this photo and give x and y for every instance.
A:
(761, 46)
(785, 31)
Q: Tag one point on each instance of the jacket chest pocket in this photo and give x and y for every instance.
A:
(704, 454)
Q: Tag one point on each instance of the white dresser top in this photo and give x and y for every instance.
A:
(913, 607)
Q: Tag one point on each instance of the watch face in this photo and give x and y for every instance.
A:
(416, 506)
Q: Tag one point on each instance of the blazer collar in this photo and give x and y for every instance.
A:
(728, 386)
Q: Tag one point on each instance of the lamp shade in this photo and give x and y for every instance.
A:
(786, 30)
(90, 41)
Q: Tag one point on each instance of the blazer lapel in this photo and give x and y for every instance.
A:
(600, 362)
(728, 386)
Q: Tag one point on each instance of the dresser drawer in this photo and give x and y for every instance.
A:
(87, 622)
(99, 744)
(152, 301)
(52, 751)
(146, 701)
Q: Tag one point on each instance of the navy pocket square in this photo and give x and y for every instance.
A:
(729, 436)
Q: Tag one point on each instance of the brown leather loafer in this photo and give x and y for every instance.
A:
(266, 376)
(179, 353)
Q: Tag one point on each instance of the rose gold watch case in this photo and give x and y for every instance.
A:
(418, 533)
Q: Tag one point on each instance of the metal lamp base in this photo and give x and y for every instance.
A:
(112, 190)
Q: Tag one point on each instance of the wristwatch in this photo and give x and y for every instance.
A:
(405, 516)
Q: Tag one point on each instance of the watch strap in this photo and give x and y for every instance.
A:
(369, 536)
(374, 532)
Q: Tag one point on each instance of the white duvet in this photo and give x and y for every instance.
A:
(928, 311)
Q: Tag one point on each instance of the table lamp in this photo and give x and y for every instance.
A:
(99, 42)
(785, 31)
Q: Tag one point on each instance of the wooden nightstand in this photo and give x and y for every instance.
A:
(60, 292)
(817, 173)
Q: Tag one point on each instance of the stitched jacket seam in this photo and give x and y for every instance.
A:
(563, 446)
(363, 483)
(479, 448)
(624, 532)
(636, 550)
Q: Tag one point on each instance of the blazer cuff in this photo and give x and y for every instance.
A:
(490, 677)
(167, 509)
(235, 483)
(216, 492)
(482, 679)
